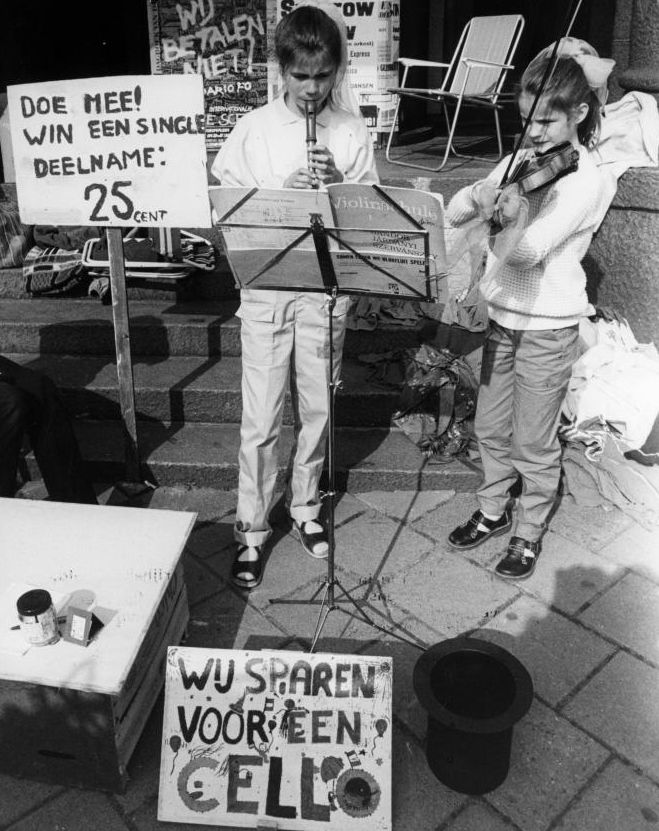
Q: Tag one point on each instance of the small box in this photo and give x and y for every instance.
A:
(73, 715)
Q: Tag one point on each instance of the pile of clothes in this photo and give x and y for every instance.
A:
(610, 422)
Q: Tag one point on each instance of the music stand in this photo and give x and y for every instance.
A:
(266, 275)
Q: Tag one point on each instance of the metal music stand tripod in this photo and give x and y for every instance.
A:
(329, 601)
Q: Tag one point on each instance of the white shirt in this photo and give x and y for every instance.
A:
(269, 143)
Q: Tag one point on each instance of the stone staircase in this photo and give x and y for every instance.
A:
(186, 362)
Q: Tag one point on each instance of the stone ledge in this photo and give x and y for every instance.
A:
(638, 189)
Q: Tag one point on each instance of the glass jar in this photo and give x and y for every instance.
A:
(37, 617)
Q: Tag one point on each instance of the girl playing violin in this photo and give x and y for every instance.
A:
(284, 334)
(535, 290)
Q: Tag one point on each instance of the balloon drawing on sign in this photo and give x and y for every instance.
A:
(330, 768)
(381, 728)
(175, 744)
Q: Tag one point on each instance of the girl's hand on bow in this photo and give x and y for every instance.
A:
(508, 206)
(323, 166)
(484, 196)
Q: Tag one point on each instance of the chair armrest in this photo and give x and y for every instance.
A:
(476, 62)
(417, 91)
(419, 62)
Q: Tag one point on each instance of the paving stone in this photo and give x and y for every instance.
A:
(200, 581)
(620, 706)
(226, 621)
(18, 796)
(75, 810)
(405, 505)
(636, 549)
(479, 817)
(629, 614)
(568, 575)
(144, 766)
(550, 761)
(146, 819)
(209, 537)
(376, 545)
(463, 594)
(617, 798)
(419, 800)
(558, 653)
(590, 528)
(439, 522)
(208, 503)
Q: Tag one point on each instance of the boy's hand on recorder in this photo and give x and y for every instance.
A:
(323, 166)
(484, 196)
(301, 179)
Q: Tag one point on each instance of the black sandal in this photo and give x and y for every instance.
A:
(314, 541)
(254, 568)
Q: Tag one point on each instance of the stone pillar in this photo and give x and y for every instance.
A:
(643, 71)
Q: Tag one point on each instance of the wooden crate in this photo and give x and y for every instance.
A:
(72, 715)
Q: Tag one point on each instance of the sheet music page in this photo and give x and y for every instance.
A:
(271, 208)
(366, 207)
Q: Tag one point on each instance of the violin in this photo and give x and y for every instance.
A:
(543, 169)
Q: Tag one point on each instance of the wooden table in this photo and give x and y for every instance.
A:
(72, 714)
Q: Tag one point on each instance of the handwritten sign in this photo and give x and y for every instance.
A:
(302, 741)
(225, 42)
(124, 151)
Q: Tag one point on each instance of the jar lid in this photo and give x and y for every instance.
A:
(34, 602)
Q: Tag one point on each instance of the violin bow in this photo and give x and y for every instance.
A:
(573, 11)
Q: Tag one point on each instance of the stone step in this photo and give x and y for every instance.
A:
(66, 326)
(195, 389)
(205, 455)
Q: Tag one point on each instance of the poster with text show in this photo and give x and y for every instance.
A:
(222, 41)
(124, 151)
(282, 739)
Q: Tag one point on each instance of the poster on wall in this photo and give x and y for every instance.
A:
(373, 28)
(275, 738)
(224, 41)
(115, 151)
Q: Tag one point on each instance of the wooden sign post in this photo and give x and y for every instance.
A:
(116, 152)
(276, 739)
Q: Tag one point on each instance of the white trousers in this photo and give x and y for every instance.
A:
(284, 336)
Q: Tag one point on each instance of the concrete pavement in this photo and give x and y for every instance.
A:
(584, 758)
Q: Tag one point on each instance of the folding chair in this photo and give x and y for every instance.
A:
(474, 77)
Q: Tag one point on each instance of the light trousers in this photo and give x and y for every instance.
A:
(524, 378)
(284, 338)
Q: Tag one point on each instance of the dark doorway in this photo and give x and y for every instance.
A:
(52, 40)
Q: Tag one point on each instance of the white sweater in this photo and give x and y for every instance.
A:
(542, 285)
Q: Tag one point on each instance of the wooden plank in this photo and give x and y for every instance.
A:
(129, 729)
(122, 348)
